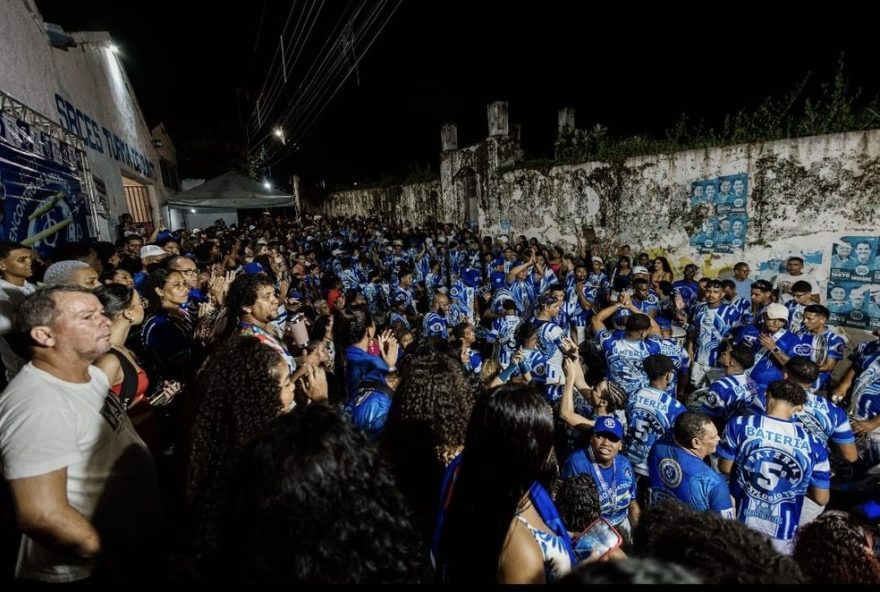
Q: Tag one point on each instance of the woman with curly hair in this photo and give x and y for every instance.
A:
(836, 549)
(242, 387)
(498, 523)
(425, 429)
(311, 502)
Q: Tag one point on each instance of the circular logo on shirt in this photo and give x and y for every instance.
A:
(670, 472)
(708, 243)
(771, 475)
(739, 202)
(736, 242)
(862, 270)
(539, 370)
(802, 349)
(856, 315)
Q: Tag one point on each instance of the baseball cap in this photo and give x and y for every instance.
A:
(471, 277)
(776, 311)
(762, 285)
(152, 251)
(608, 424)
(640, 269)
(336, 252)
(253, 268)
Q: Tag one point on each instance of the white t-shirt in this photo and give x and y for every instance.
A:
(47, 424)
(784, 281)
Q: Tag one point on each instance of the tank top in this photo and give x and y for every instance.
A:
(557, 562)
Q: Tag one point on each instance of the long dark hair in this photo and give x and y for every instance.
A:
(312, 502)
(429, 416)
(507, 448)
(115, 298)
(236, 395)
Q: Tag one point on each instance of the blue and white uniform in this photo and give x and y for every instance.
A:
(550, 337)
(776, 461)
(503, 333)
(435, 325)
(625, 359)
(729, 396)
(825, 346)
(616, 484)
(650, 415)
(678, 474)
(766, 368)
(711, 326)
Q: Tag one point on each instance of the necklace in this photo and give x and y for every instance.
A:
(606, 491)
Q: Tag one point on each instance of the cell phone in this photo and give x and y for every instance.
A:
(597, 539)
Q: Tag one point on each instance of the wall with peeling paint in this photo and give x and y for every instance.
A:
(803, 194)
(413, 203)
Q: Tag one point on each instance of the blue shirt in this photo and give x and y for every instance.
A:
(776, 461)
(369, 411)
(435, 325)
(822, 347)
(866, 392)
(677, 474)
(625, 359)
(689, 290)
(650, 415)
(616, 484)
(362, 366)
(767, 368)
(550, 344)
(729, 396)
(711, 326)
(504, 334)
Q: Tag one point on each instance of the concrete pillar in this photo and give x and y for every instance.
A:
(498, 118)
(566, 120)
(449, 136)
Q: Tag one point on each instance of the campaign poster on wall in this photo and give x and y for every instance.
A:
(42, 198)
(854, 283)
(724, 203)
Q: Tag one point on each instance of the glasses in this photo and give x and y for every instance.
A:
(186, 271)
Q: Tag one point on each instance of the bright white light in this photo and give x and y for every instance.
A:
(279, 132)
(267, 185)
(114, 48)
(193, 210)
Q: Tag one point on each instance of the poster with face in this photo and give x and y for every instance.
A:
(854, 282)
(723, 202)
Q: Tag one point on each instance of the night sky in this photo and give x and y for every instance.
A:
(197, 68)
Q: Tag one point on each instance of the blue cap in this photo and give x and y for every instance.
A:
(498, 279)
(253, 268)
(608, 424)
(471, 277)
(498, 261)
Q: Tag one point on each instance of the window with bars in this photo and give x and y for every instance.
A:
(138, 200)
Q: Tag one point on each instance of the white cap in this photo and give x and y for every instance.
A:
(152, 251)
(196, 230)
(640, 269)
(776, 311)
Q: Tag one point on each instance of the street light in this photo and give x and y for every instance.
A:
(267, 184)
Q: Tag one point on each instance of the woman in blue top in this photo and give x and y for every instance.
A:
(360, 366)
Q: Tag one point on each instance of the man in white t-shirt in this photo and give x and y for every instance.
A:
(784, 281)
(82, 481)
(16, 262)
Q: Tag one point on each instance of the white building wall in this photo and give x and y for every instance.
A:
(86, 90)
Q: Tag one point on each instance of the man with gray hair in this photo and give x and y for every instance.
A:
(82, 481)
(72, 273)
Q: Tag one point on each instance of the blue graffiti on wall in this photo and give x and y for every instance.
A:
(87, 129)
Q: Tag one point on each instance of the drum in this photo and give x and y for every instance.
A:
(679, 335)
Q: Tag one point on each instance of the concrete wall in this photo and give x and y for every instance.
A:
(803, 193)
(86, 90)
(413, 203)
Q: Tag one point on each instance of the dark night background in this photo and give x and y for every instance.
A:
(633, 69)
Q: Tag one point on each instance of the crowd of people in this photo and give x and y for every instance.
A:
(353, 401)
